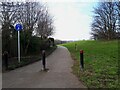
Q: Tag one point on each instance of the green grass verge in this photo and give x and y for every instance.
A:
(101, 63)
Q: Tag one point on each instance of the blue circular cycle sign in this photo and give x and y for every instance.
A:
(18, 27)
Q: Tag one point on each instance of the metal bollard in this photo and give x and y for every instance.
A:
(43, 60)
(76, 47)
(81, 60)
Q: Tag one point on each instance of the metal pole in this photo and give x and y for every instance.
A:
(19, 46)
(81, 59)
(43, 60)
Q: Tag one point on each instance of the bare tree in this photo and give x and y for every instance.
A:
(45, 26)
(118, 20)
(104, 23)
(118, 8)
(7, 16)
(30, 15)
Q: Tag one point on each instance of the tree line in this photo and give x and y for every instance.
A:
(36, 22)
(106, 21)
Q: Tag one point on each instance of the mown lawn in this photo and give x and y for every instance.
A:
(101, 63)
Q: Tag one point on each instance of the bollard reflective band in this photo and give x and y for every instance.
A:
(81, 51)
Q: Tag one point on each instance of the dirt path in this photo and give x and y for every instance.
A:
(58, 76)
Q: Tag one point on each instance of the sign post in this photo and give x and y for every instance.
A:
(18, 27)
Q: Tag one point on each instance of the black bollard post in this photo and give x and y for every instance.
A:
(76, 47)
(6, 59)
(43, 60)
(81, 60)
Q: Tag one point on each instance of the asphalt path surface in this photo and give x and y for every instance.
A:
(59, 74)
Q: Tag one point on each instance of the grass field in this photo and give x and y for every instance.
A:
(101, 63)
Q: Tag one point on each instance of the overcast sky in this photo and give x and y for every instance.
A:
(72, 19)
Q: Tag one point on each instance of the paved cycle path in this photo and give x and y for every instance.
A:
(59, 74)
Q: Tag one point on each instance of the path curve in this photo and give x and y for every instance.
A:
(58, 76)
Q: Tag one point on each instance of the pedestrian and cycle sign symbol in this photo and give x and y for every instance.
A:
(18, 27)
